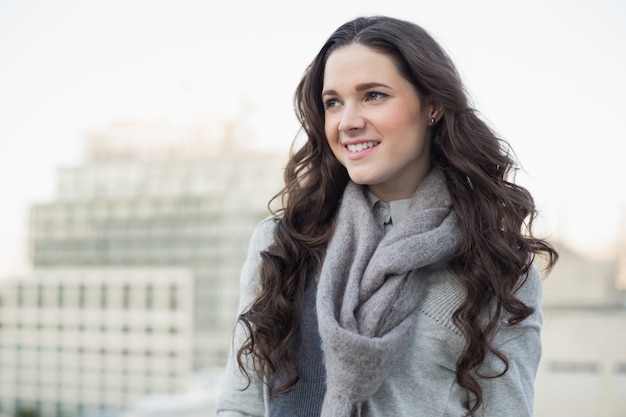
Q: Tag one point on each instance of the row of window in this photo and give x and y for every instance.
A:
(205, 203)
(143, 384)
(66, 253)
(103, 378)
(160, 182)
(101, 406)
(124, 297)
(583, 367)
(140, 257)
(148, 353)
(210, 207)
(92, 369)
(195, 228)
(39, 408)
(80, 327)
(111, 239)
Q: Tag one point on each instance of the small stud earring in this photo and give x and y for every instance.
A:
(432, 120)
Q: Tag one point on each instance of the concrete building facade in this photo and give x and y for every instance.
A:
(583, 368)
(92, 341)
(184, 202)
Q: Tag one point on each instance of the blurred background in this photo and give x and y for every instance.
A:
(140, 143)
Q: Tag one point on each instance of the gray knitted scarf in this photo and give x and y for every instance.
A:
(369, 287)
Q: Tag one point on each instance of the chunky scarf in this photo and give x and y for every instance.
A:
(370, 285)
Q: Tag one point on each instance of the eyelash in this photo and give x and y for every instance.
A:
(331, 102)
(378, 95)
(369, 96)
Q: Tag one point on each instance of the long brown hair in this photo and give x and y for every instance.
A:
(497, 215)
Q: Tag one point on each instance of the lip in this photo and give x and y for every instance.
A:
(354, 156)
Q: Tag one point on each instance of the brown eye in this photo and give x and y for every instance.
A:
(375, 95)
(331, 102)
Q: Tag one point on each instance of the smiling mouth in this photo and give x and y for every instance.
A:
(358, 147)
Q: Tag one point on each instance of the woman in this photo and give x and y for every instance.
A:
(398, 277)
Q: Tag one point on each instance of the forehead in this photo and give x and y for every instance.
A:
(356, 63)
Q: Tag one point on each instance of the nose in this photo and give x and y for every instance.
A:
(351, 119)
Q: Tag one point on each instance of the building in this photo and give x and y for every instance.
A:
(583, 368)
(166, 195)
(198, 401)
(93, 341)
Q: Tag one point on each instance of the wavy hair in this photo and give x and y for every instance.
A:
(497, 215)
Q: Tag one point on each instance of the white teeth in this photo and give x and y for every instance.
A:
(360, 146)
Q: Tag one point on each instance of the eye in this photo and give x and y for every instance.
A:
(374, 96)
(331, 102)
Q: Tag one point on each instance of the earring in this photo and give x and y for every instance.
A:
(432, 120)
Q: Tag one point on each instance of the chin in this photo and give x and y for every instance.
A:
(360, 180)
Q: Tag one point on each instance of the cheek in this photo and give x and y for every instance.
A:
(412, 124)
(330, 131)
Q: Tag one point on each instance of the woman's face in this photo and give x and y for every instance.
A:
(375, 123)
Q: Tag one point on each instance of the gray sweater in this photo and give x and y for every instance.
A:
(308, 394)
(423, 383)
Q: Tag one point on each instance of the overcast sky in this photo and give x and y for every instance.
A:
(548, 75)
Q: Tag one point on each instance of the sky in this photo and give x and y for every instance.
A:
(547, 75)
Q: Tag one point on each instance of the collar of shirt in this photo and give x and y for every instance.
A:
(388, 214)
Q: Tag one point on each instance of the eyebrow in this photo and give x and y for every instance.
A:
(360, 87)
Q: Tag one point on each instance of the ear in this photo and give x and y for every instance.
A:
(435, 110)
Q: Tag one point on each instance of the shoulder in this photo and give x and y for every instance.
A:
(249, 284)
(530, 290)
(263, 235)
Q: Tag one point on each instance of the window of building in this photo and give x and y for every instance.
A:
(103, 297)
(173, 295)
(81, 296)
(60, 296)
(20, 295)
(574, 367)
(126, 296)
(149, 297)
(39, 295)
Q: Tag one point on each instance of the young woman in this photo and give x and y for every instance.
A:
(398, 278)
